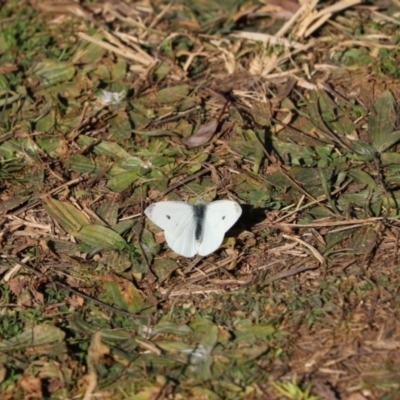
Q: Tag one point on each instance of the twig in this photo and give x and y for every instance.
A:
(57, 189)
(182, 182)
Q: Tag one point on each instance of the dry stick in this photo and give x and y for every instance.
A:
(82, 123)
(172, 118)
(180, 183)
(63, 186)
(124, 50)
(180, 115)
(6, 137)
(213, 270)
(205, 275)
(299, 132)
(57, 189)
(114, 43)
(74, 291)
(290, 272)
(313, 250)
(324, 224)
(318, 200)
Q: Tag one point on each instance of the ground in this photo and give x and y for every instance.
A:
(290, 108)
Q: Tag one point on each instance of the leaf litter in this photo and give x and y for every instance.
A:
(289, 108)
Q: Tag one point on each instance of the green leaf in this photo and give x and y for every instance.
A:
(38, 335)
(163, 267)
(172, 94)
(89, 53)
(166, 326)
(85, 165)
(101, 237)
(108, 211)
(103, 147)
(361, 177)
(382, 123)
(70, 219)
(52, 72)
(363, 241)
(120, 126)
(123, 294)
(121, 182)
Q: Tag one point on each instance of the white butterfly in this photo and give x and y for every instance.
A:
(194, 229)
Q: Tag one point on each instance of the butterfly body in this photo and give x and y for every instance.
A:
(194, 229)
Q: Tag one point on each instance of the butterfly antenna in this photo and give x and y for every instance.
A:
(191, 190)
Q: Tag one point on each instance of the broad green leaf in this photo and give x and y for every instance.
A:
(89, 53)
(47, 122)
(12, 203)
(381, 124)
(166, 326)
(70, 218)
(123, 293)
(118, 261)
(108, 211)
(101, 237)
(102, 147)
(172, 94)
(390, 158)
(52, 72)
(121, 182)
(85, 165)
(361, 176)
(163, 267)
(249, 333)
(363, 240)
(55, 147)
(38, 335)
(120, 126)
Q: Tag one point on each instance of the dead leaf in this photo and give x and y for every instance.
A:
(356, 396)
(286, 5)
(3, 373)
(37, 296)
(32, 387)
(75, 301)
(16, 285)
(97, 350)
(202, 136)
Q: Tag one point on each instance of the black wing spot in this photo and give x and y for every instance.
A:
(223, 217)
(168, 216)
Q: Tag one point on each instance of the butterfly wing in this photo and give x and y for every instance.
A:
(220, 216)
(178, 221)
